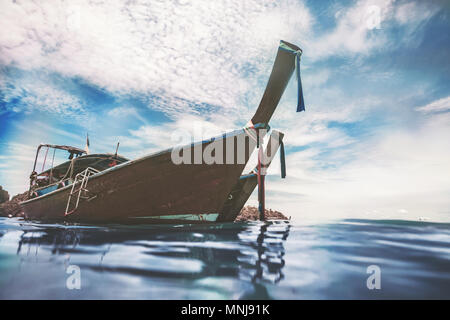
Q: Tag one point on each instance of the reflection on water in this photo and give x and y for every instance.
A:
(224, 261)
(146, 254)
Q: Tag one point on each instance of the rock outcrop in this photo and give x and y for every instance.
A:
(4, 195)
(249, 213)
(12, 208)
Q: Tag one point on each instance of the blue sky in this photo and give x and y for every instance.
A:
(373, 142)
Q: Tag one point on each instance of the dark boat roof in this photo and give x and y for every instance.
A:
(99, 161)
(63, 147)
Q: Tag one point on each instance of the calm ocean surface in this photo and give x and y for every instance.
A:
(275, 260)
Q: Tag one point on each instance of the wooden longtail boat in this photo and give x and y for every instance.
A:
(155, 188)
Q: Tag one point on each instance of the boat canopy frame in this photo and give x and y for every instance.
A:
(73, 151)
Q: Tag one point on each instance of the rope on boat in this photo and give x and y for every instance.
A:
(69, 170)
(252, 133)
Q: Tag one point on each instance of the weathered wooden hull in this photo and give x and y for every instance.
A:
(151, 187)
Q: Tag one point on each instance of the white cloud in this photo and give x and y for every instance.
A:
(123, 111)
(30, 94)
(351, 34)
(436, 106)
(185, 54)
(200, 51)
(412, 16)
(357, 33)
(16, 167)
(318, 77)
(414, 12)
(395, 169)
(184, 130)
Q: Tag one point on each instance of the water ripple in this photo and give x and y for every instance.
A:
(225, 261)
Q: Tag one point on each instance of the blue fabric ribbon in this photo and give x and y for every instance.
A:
(298, 53)
(282, 160)
(300, 101)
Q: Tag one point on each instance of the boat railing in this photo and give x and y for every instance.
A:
(79, 187)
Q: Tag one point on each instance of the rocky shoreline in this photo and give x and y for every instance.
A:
(12, 208)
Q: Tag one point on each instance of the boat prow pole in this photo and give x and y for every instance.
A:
(286, 61)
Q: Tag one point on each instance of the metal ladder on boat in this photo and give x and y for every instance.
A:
(81, 179)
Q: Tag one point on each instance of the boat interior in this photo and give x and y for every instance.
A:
(61, 175)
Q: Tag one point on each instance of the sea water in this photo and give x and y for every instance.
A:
(349, 259)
